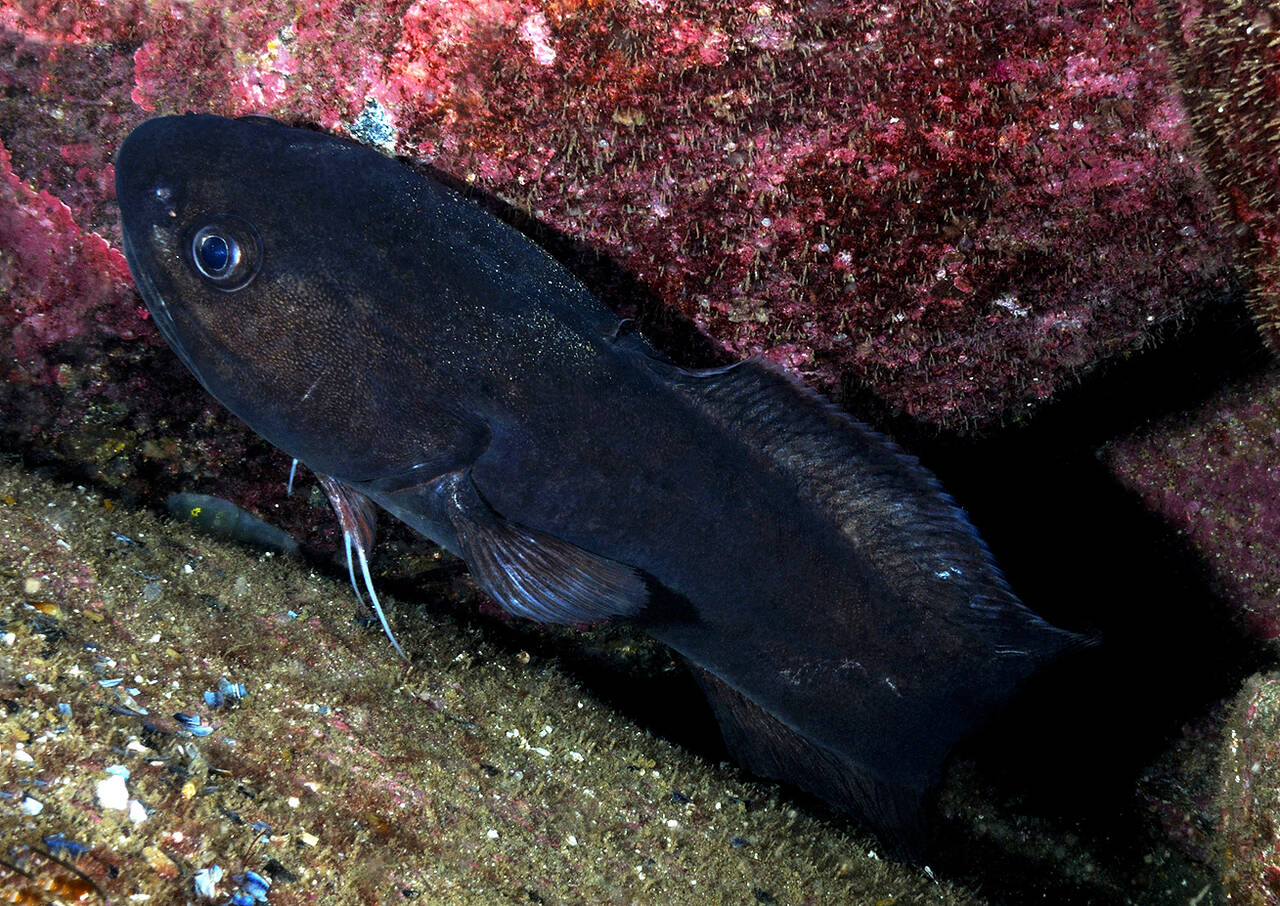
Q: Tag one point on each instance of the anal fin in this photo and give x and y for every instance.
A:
(765, 746)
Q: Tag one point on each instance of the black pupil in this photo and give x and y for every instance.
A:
(214, 254)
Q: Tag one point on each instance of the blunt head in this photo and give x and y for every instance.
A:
(274, 261)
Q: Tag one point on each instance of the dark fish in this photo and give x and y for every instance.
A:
(842, 615)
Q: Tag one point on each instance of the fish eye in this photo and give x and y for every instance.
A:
(215, 254)
(225, 251)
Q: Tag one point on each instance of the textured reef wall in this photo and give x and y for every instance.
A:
(1229, 67)
(958, 213)
(956, 216)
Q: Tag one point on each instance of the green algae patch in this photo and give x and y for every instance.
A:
(185, 720)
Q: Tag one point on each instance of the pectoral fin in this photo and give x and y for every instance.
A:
(530, 573)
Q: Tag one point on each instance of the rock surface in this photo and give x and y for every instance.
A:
(958, 217)
(954, 212)
(1214, 474)
(343, 775)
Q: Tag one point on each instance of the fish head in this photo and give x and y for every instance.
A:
(263, 254)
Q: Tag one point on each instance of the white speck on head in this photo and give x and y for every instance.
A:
(163, 193)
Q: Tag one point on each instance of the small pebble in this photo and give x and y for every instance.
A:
(113, 794)
(256, 886)
(59, 845)
(206, 881)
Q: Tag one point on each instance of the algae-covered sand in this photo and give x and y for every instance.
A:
(472, 774)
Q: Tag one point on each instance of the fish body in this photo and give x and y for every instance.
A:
(845, 620)
(226, 520)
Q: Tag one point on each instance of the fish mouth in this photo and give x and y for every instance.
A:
(160, 313)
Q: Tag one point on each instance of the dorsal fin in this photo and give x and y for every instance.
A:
(922, 541)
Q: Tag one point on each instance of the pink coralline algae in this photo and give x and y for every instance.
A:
(320, 63)
(1213, 475)
(72, 21)
(1230, 66)
(64, 108)
(57, 283)
(958, 216)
